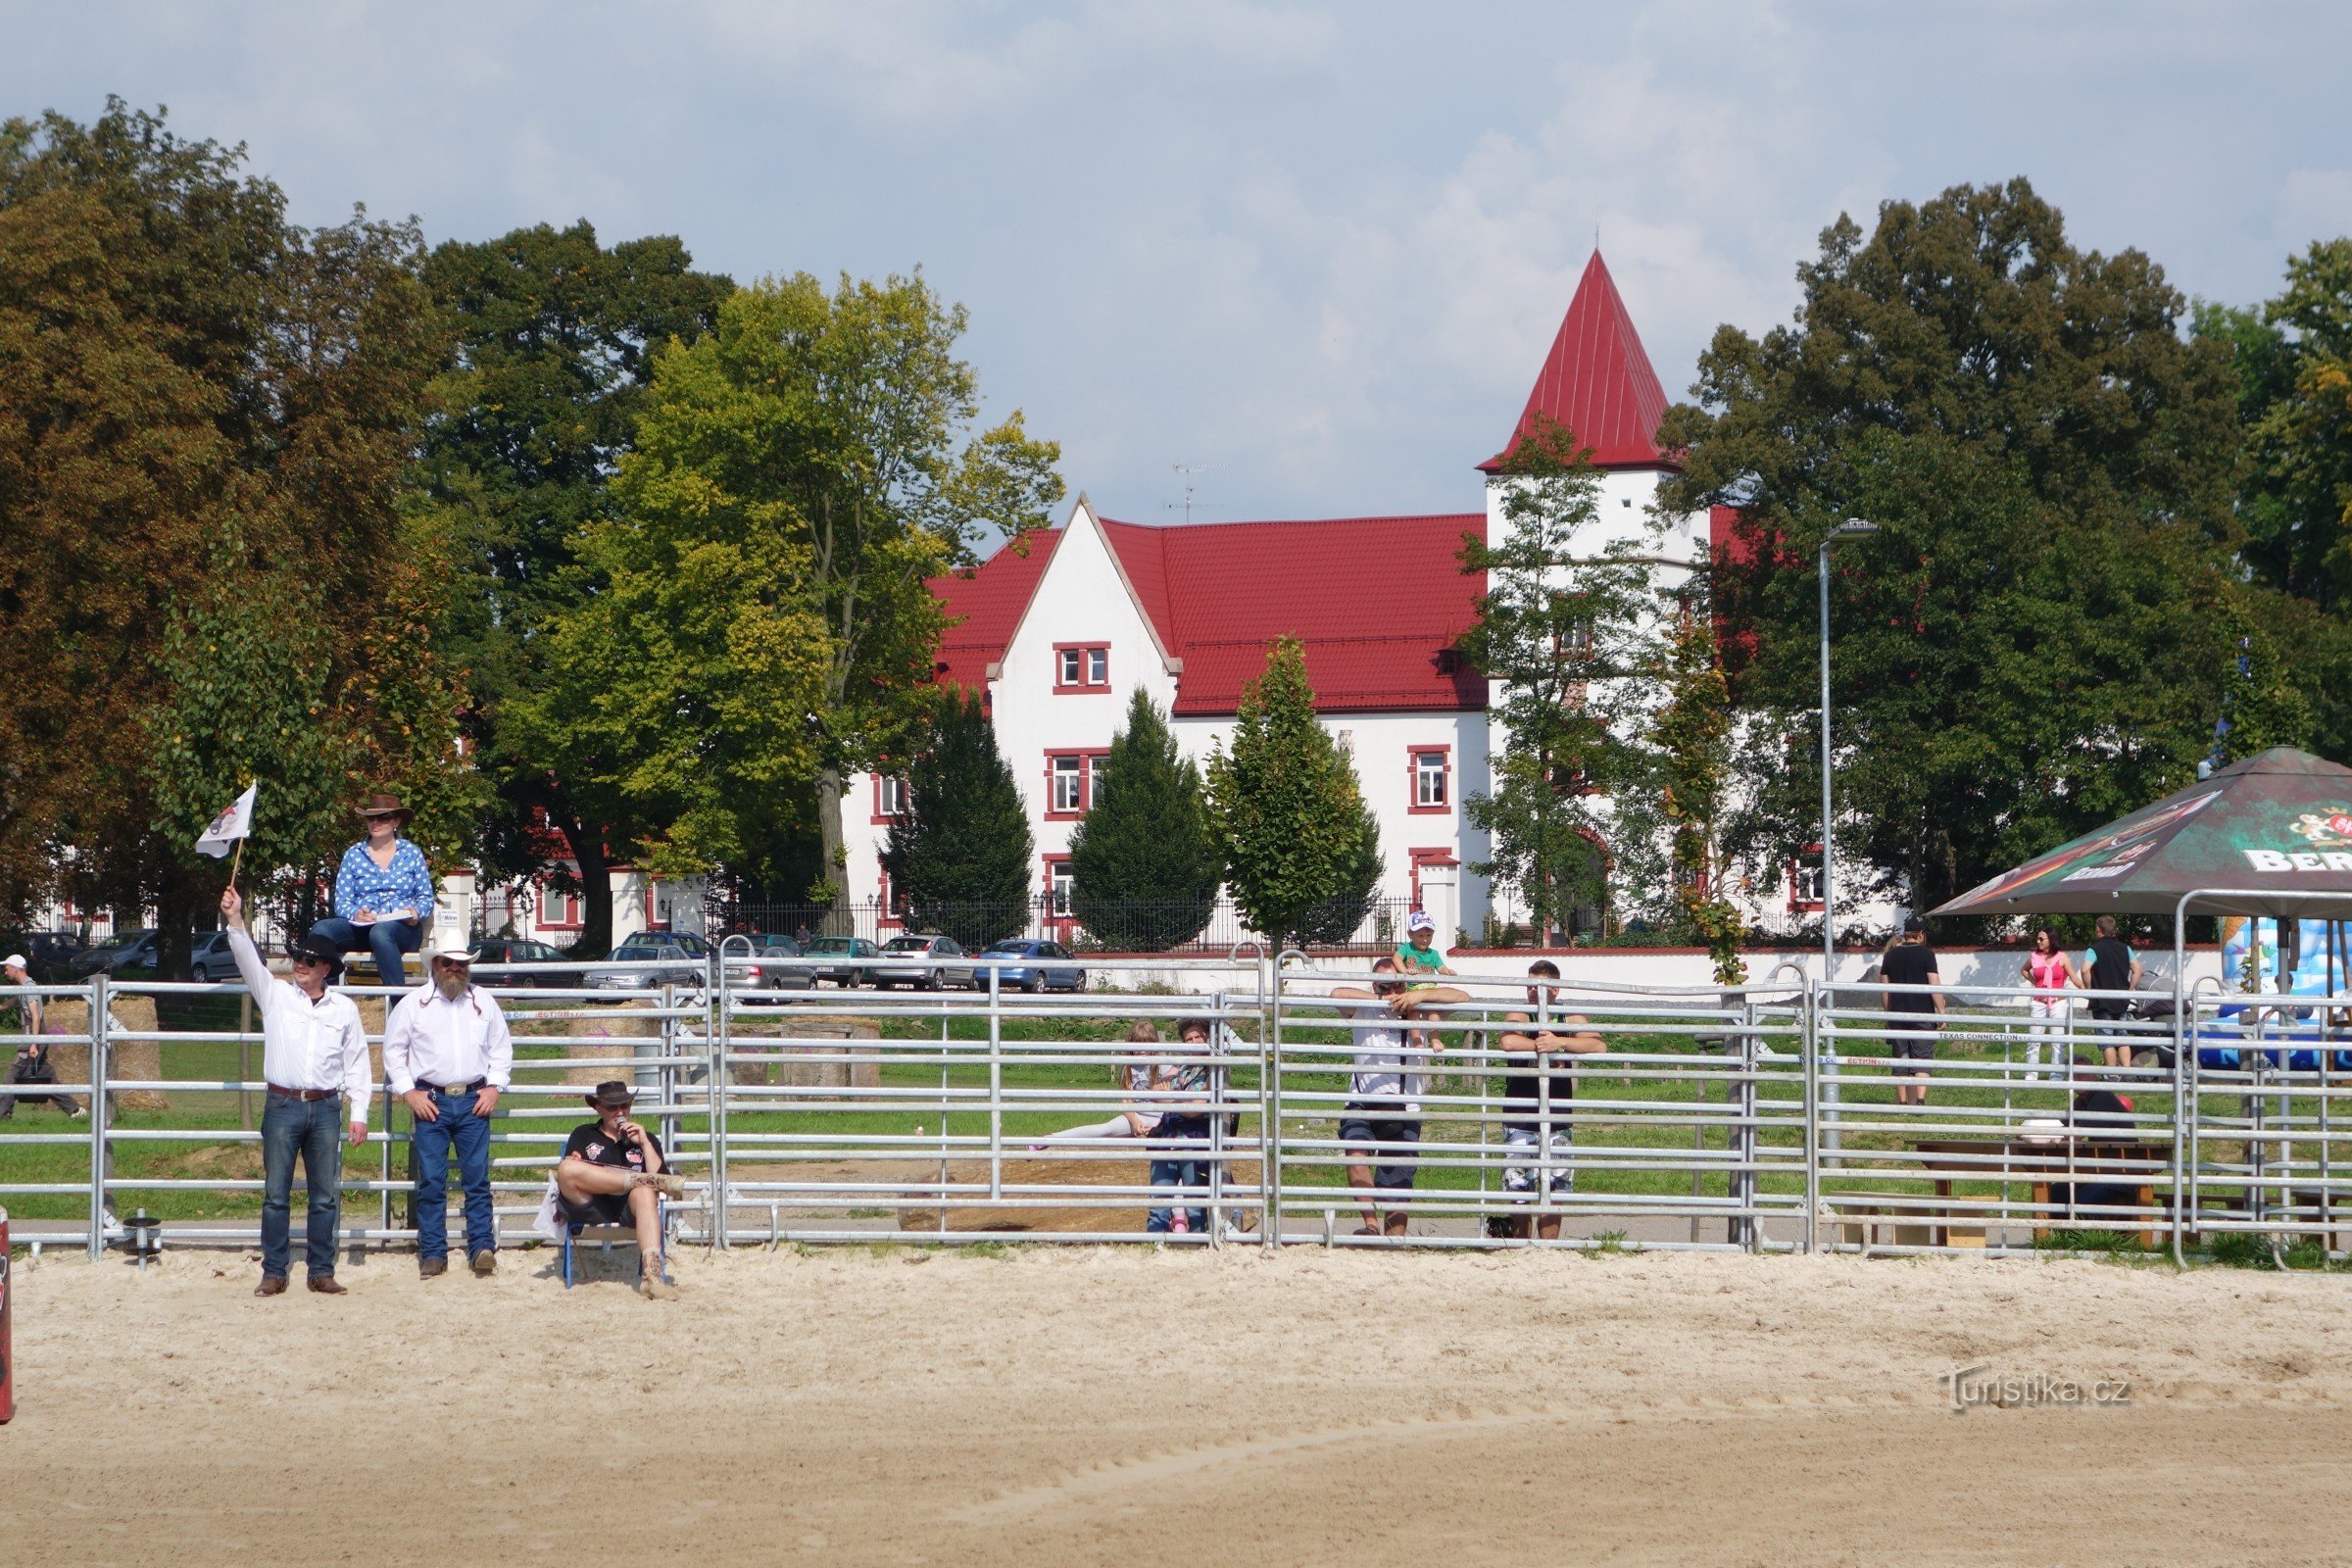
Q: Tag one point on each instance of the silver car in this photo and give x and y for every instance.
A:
(933, 976)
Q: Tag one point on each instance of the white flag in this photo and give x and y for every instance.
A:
(232, 824)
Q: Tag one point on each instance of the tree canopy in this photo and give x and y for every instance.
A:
(2040, 637)
(1144, 870)
(959, 855)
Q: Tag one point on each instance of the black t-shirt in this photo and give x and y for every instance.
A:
(593, 1144)
(1911, 963)
(2110, 970)
(1523, 1087)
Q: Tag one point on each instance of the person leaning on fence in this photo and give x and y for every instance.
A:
(1181, 1136)
(21, 1015)
(2110, 964)
(1911, 1032)
(610, 1174)
(1382, 1120)
(1538, 1093)
(448, 1053)
(1136, 1078)
(2050, 972)
(383, 891)
(315, 1058)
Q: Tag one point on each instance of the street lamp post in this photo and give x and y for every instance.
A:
(1850, 528)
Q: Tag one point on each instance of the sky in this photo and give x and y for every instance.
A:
(1313, 254)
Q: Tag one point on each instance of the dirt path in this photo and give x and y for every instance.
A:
(1116, 1405)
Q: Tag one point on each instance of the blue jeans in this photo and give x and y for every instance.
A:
(470, 1134)
(314, 1129)
(386, 939)
(1173, 1173)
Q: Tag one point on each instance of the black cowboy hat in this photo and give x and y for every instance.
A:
(312, 946)
(611, 1094)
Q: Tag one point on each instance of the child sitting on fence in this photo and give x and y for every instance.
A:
(1137, 1078)
(1418, 954)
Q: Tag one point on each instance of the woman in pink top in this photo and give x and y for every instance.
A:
(2050, 972)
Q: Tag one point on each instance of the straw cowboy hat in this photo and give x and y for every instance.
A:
(381, 804)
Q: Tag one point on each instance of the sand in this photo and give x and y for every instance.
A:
(1119, 1405)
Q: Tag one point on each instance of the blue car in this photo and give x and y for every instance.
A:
(1032, 976)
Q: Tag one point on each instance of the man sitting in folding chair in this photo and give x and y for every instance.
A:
(612, 1174)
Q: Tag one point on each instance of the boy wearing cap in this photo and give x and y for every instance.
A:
(21, 1015)
(1418, 953)
(609, 1175)
(383, 891)
(448, 1053)
(315, 1058)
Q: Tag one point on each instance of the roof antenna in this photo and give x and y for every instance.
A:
(1188, 469)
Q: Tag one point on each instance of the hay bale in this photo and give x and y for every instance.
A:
(796, 1064)
(135, 1058)
(627, 1022)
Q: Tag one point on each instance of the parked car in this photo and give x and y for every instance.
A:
(134, 960)
(493, 953)
(840, 954)
(665, 962)
(49, 955)
(1033, 976)
(922, 977)
(102, 956)
(750, 972)
(672, 944)
(209, 958)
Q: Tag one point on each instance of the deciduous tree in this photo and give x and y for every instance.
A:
(959, 854)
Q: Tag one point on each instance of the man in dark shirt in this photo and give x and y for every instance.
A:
(2110, 964)
(1911, 1032)
(609, 1175)
(1538, 1093)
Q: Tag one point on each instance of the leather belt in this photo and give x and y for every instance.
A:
(306, 1094)
(452, 1089)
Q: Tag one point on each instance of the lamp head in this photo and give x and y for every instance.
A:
(1854, 527)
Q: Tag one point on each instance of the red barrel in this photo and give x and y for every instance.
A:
(7, 1359)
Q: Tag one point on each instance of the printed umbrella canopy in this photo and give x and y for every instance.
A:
(2275, 829)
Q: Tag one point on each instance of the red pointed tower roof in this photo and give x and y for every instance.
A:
(1596, 380)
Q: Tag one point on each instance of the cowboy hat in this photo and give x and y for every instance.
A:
(381, 804)
(611, 1094)
(312, 946)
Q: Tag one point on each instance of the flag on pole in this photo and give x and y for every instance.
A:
(231, 826)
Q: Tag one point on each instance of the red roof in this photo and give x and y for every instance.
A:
(1377, 601)
(988, 601)
(1596, 380)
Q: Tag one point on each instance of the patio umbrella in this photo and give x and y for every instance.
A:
(2278, 825)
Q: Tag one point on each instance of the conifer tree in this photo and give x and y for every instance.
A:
(958, 855)
(1144, 868)
(1301, 849)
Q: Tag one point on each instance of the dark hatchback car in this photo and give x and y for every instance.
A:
(49, 955)
(1033, 976)
(105, 953)
(491, 953)
(844, 959)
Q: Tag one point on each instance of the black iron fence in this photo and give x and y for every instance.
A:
(1127, 925)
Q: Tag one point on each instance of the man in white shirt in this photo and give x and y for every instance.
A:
(448, 1054)
(313, 1058)
(1382, 1120)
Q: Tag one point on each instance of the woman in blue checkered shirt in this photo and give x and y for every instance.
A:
(383, 891)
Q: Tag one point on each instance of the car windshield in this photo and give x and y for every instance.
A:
(776, 947)
(1006, 950)
(830, 944)
(909, 945)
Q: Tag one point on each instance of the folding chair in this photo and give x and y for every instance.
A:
(626, 1235)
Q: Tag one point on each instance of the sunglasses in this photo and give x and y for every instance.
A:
(300, 958)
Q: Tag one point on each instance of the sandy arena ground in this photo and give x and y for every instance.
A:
(1123, 1406)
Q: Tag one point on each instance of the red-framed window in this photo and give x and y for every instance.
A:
(1804, 882)
(1059, 884)
(890, 798)
(1081, 667)
(1071, 778)
(558, 909)
(889, 905)
(1429, 778)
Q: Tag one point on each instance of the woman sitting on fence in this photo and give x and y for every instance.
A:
(1138, 1077)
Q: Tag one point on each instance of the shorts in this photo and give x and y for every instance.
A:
(597, 1209)
(1921, 1048)
(1520, 1181)
(1358, 1133)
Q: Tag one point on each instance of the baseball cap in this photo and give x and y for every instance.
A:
(15, 960)
(1420, 920)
